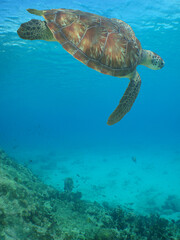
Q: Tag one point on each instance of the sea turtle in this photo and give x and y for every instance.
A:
(107, 45)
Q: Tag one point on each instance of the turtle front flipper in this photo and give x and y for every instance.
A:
(127, 100)
(35, 12)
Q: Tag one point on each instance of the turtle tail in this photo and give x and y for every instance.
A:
(35, 30)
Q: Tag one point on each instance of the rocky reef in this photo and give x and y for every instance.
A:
(31, 210)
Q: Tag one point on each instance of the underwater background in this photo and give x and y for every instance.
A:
(54, 109)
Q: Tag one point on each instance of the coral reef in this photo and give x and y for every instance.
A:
(172, 203)
(68, 185)
(31, 210)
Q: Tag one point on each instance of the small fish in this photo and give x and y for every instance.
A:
(134, 159)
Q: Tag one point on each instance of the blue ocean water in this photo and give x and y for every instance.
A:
(54, 109)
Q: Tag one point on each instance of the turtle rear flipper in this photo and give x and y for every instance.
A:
(35, 29)
(127, 100)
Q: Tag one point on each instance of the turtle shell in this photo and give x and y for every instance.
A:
(106, 45)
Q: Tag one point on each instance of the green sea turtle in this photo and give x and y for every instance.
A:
(108, 46)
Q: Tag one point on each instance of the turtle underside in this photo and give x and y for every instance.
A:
(106, 45)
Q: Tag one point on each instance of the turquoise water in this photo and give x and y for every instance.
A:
(54, 109)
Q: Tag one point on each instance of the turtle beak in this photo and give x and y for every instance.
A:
(162, 63)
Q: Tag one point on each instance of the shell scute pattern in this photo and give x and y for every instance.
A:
(109, 25)
(64, 19)
(112, 57)
(95, 65)
(60, 38)
(70, 48)
(81, 57)
(90, 21)
(50, 14)
(93, 42)
(106, 45)
(53, 26)
(74, 32)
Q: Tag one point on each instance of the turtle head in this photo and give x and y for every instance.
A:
(151, 60)
(156, 61)
(34, 30)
